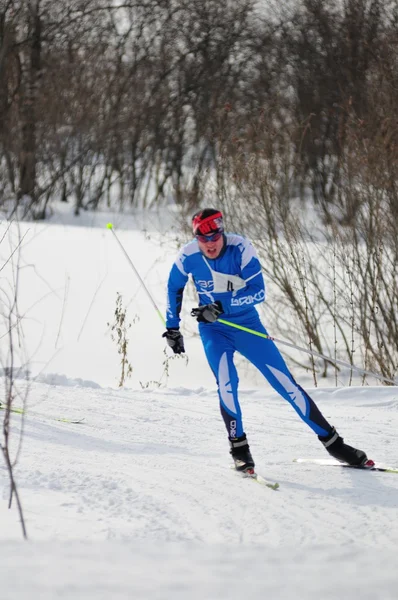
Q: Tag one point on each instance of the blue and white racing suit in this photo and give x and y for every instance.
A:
(235, 278)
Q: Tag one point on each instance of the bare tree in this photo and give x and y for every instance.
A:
(12, 333)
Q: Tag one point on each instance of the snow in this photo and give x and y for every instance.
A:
(138, 500)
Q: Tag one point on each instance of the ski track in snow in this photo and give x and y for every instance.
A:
(151, 469)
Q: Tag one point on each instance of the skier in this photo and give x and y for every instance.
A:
(229, 282)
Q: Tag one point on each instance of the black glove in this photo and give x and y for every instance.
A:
(208, 313)
(174, 340)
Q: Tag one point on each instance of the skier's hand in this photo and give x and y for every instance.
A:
(175, 340)
(208, 313)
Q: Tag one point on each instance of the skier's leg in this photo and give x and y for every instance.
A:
(219, 351)
(266, 357)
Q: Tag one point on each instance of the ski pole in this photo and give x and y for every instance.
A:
(312, 352)
(110, 226)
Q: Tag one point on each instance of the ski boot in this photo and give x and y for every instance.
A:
(240, 452)
(336, 447)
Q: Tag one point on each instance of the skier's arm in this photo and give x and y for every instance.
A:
(175, 289)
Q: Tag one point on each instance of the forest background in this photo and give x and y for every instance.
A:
(283, 114)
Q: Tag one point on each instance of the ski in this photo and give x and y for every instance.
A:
(251, 474)
(370, 465)
(71, 421)
(21, 411)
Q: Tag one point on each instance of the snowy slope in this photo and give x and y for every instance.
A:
(122, 506)
(138, 501)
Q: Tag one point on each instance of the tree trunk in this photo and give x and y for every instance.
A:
(31, 74)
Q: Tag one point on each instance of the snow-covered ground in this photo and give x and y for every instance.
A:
(138, 500)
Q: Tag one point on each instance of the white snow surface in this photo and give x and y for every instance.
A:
(139, 500)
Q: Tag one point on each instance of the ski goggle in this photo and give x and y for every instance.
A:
(209, 238)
